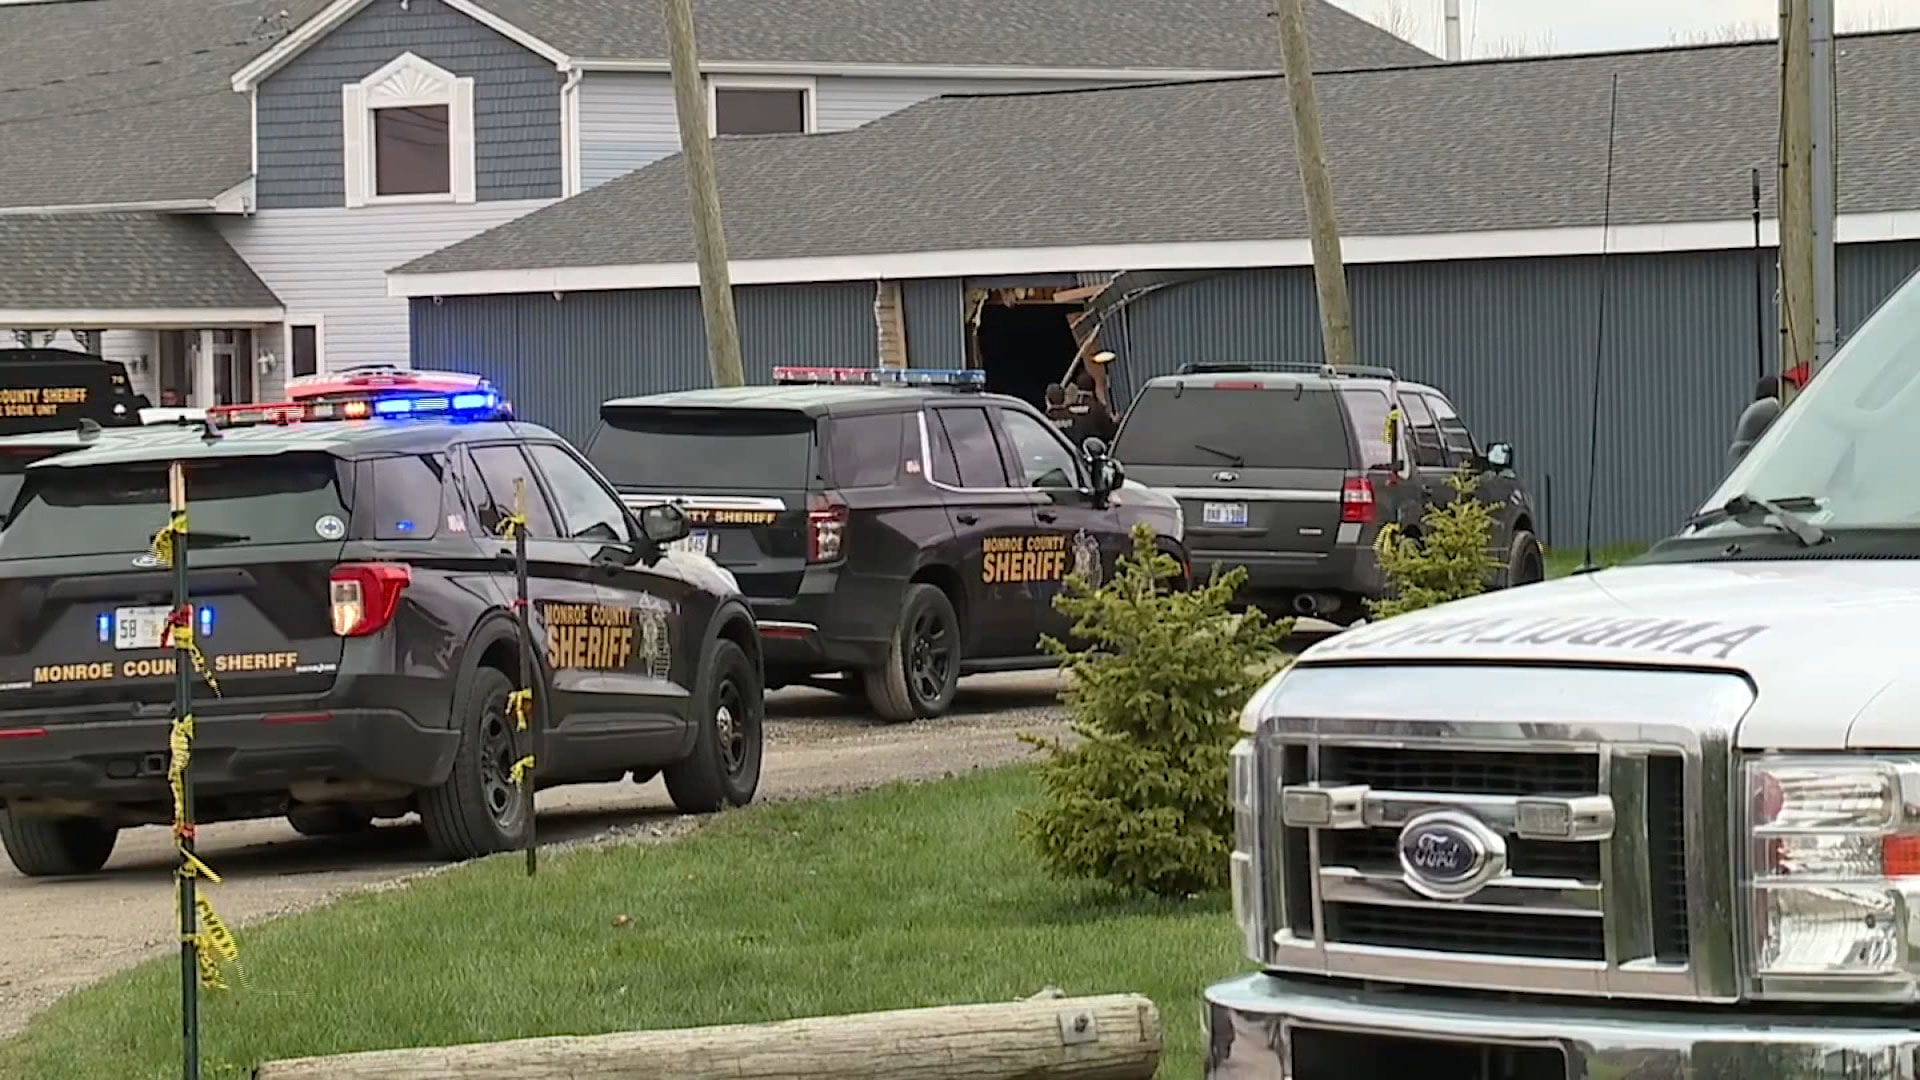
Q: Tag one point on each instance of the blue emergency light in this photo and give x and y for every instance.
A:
(957, 378)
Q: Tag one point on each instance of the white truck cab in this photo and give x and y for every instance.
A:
(1661, 821)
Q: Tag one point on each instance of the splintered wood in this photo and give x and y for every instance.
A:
(1116, 1037)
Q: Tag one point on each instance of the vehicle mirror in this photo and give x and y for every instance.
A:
(1500, 455)
(1109, 476)
(664, 523)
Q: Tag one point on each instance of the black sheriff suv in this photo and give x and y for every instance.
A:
(893, 529)
(353, 597)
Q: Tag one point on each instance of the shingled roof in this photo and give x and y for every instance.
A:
(106, 103)
(1444, 149)
(122, 262)
(1226, 35)
(110, 102)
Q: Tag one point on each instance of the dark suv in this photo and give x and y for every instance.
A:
(1291, 474)
(891, 536)
(354, 600)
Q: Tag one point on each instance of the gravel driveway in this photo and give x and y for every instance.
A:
(85, 929)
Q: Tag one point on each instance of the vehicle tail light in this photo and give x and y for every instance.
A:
(826, 529)
(1356, 500)
(365, 596)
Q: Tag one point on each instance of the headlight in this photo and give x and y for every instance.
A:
(1248, 908)
(1834, 862)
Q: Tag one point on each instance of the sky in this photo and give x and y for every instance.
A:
(1497, 27)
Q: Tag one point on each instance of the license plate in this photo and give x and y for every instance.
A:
(1229, 514)
(139, 627)
(697, 542)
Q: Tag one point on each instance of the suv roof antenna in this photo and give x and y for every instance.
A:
(1600, 334)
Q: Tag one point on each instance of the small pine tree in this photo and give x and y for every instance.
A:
(1451, 560)
(1141, 800)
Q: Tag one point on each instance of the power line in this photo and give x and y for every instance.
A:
(264, 34)
(122, 107)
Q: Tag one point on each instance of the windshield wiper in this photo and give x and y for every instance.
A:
(1236, 460)
(1773, 513)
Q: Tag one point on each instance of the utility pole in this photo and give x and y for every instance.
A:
(1329, 275)
(1821, 122)
(710, 238)
(1797, 225)
(1452, 19)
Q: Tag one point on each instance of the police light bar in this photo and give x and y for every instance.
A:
(362, 381)
(436, 396)
(960, 378)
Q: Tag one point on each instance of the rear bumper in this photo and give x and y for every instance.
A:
(1347, 569)
(836, 622)
(117, 754)
(1254, 1027)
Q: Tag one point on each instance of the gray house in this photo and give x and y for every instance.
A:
(1471, 197)
(214, 191)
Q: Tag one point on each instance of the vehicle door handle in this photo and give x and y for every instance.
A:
(1048, 516)
(967, 519)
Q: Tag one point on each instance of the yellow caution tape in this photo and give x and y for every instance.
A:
(512, 524)
(520, 770)
(165, 541)
(215, 944)
(520, 707)
(1393, 424)
(180, 636)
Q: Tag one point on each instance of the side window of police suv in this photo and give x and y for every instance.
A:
(1045, 461)
(490, 488)
(589, 511)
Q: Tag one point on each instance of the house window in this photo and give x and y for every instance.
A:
(412, 152)
(304, 351)
(408, 131)
(783, 107)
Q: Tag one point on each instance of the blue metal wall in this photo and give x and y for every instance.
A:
(559, 359)
(936, 312)
(1514, 343)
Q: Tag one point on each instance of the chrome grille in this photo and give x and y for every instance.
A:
(1598, 798)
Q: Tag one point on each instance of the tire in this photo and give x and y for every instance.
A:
(922, 669)
(1526, 562)
(329, 820)
(730, 712)
(478, 811)
(56, 846)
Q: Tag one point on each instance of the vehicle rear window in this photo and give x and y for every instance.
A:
(704, 449)
(1269, 428)
(292, 498)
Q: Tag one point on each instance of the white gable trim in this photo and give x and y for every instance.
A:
(333, 15)
(922, 71)
(141, 319)
(1107, 258)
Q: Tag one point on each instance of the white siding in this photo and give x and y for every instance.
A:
(332, 262)
(627, 121)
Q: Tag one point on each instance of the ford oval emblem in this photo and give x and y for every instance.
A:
(1225, 476)
(146, 562)
(1450, 855)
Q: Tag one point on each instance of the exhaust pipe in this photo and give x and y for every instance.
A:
(1314, 604)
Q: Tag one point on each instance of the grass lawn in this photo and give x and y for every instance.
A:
(907, 897)
(1564, 560)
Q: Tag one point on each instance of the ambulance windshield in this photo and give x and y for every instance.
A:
(1846, 447)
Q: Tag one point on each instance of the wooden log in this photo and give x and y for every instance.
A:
(1115, 1037)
